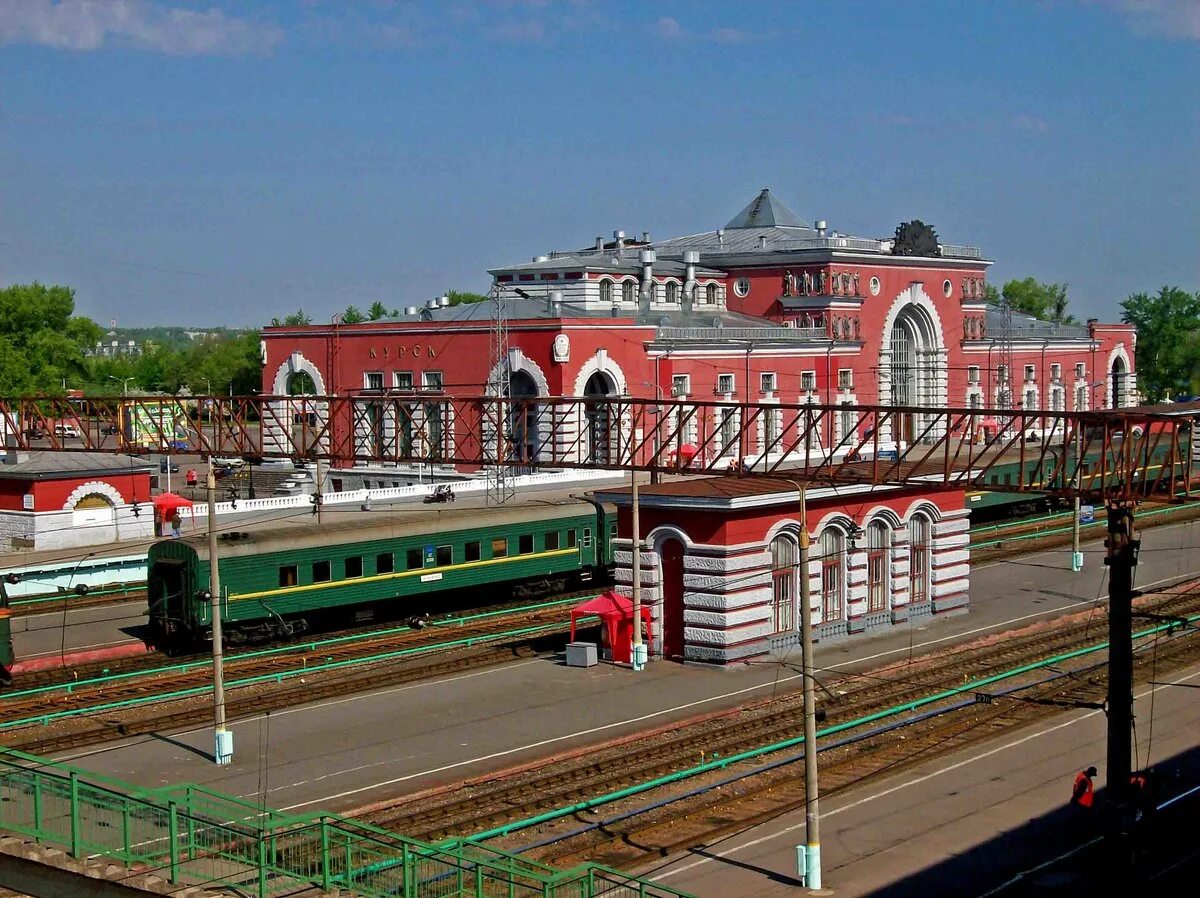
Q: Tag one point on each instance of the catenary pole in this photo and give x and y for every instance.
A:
(222, 738)
(1121, 558)
(811, 853)
(1076, 552)
(639, 649)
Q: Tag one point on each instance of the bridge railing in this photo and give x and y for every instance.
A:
(190, 834)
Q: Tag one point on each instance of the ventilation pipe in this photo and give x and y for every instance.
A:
(443, 300)
(555, 301)
(410, 310)
(648, 258)
(720, 236)
(691, 258)
(599, 244)
(645, 236)
(762, 241)
(821, 225)
(432, 304)
(541, 258)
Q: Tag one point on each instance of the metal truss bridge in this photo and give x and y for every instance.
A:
(1116, 454)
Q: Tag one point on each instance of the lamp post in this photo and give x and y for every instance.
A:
(222, 738)
(123, 381)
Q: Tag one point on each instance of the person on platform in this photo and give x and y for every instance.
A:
(191, 478)
(1083, 792)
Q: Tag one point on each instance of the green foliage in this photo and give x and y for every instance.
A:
(1168, 340)
(457, 297)
(377, 311)
(353, 315)
(42, 341)
(1046, 302)
(295, 319)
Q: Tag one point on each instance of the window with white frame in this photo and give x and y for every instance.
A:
(771, 422)
(879, 547)
(627, 295)
(1029, 370)
(845, 378)
(918, 557)
(1056, 371)
(833, 580)
(431, 381)
(373, 380)
(1081, 398)
(725, 383)
(402, 380)
(672, 292)
(727, 424)
(681, 384)
(606, 292)
(1002, 373)
(1080, 371)
(972, 374)
(710, 294)
(1031, 401)
(846, 422)
(975, 400)
(783, 583)
(767, 382)
(808, 380)
(1058, 399)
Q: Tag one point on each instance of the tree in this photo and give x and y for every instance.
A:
(295, 319)
(377, 311)
(1046, 302)
(42, 341)
(353, 315)
(458, 297)
(1168, 351)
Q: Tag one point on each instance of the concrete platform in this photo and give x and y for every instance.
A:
(975, 823)
(344, 753)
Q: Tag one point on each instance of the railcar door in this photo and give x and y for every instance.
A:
(165, 587)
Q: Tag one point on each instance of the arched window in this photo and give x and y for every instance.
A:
(879, 538)
(672, 292)
(606, 294)
(833, 581)
(627, 294)
(918, 556)
(1120, 377)
(783, 584)
(710, 294)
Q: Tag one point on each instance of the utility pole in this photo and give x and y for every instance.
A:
(1121, 558)
(639, 649)
(317, 494)
(1076, 552)
(808, 856)
(223, 739)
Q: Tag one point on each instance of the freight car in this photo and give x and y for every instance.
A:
(282, 581)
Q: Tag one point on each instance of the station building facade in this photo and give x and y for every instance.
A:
(767, 309)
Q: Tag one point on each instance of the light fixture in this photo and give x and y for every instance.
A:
(853, 534)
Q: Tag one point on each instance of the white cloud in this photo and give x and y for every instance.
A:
(1171, 18)
(668, 28)
(1033, 124)
(100, 24)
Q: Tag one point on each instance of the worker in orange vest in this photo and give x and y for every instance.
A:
(1083, 791)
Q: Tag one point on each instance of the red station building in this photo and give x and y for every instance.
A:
(767, 309)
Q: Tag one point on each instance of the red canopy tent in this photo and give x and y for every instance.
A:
(616, 614)
(167, 504)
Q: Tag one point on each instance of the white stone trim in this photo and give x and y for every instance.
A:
(93, 488)
(709, 636)
(721, 601)
(600, 362)
(718, 618)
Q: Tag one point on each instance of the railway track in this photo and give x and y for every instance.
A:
(761, 796)
(492, 804)
(109, 710)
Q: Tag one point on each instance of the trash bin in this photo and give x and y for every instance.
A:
(581, 654)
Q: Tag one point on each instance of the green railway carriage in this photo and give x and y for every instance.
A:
(281, 581)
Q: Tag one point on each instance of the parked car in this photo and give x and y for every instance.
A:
(441, 493)
(66, 431)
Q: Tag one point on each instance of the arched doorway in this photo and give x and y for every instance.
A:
(671, 554)
(1120, 379)
(305, 420)
(597, 440)
(523, 417)
(912, 367)
(93, 511)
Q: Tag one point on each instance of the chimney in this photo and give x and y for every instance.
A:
(431, 304)
(410, 310)
(762, 241)
(645, 236)
(720, 236)
(541, 258)
(691, 258)
(821, 224)
(599, 244)
(555, 298)
(648, 258)
(618, 242)
(443, 300)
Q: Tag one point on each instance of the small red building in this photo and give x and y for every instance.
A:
(53, 500)
(719, 564)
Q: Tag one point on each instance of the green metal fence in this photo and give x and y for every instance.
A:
(192, 835)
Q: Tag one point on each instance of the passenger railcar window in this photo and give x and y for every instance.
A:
(413, 559)
(287, 575)
(551, 540)
(353, 567)
(472, 551)
(500, 547)
(525, 544)
(320, 571)
(384, 563)
(571, 538)
(587, 537)
(445, 556)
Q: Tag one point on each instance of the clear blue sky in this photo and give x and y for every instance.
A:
(224, 161)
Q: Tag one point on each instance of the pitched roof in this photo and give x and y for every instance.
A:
(765, 211)
(63, 465)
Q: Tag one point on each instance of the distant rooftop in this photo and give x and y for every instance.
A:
(59, 465)
(765, 211)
